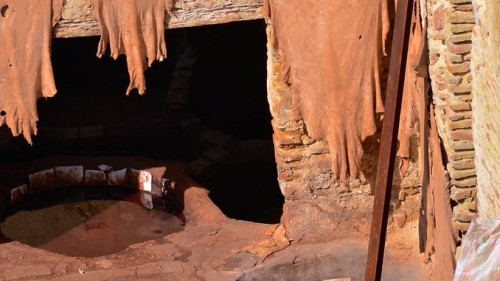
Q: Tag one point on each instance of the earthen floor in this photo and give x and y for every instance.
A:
(214, 247)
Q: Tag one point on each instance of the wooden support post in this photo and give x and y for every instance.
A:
(77, 19)
(388, 143)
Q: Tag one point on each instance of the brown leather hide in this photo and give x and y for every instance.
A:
(25, 66)
(134, 28)
(332, 52)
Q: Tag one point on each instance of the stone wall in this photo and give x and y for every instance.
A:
(303, 165)
(485, 66)
(450, 24)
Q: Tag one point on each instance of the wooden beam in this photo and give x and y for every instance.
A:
(77, 19)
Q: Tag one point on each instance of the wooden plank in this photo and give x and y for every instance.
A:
(389, 140)
(77, 19)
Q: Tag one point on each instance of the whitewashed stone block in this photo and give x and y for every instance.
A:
(147, 200)
(141, 180)
(95, 177)
(42, 180)
(69, 175)
(118, 177)
(18, 193)
(104, 167)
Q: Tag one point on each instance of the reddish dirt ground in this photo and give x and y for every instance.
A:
(210, 247)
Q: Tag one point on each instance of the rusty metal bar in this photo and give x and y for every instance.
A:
(388, 142)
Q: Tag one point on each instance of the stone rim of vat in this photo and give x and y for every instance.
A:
(153, 188)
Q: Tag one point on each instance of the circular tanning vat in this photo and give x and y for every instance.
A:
(91, 211)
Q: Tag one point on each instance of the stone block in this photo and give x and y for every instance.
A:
(460, 174)
(459, 106)
(95, 177)
(118, 177)
(453, 79)
(460, 38)
(287, 174)
(461, 28)
(171, 266)
(147, 200)
(460, 2)
(27, 271)
(461, 124)
(69, 175)
(462, 164)
(457, 155)
(287, 139)
(457, 68)
(462, 145)
(288, 155)
(462, 88)
(458, 225)
(399, 218)
(442, 85)
(463, 97)
(318, 148)
(123, 273)
(18, 193)
(459, 194)
(462, 213)
(291, 190)
(454, 58)
(148, 269)
(140, 179)
(91, 132)
(465, 8)
(458, 115)
(467, 182)
(459, 48)
(318, 181)
(461, 135)
(438, 18)
(42, 180)
(433, 58)
(455, 16)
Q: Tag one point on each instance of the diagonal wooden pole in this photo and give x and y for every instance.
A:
(388, 142)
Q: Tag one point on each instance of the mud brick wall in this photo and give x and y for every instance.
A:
(485, 66)
(450, 24)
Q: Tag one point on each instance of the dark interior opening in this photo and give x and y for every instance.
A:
(228, 85)
(92, 116)
(228, 92)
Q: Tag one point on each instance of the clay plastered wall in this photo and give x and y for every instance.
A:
(449, 33)
(486, 105)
